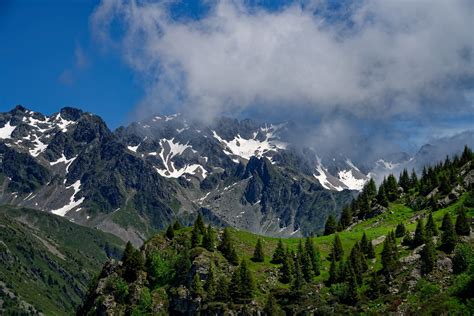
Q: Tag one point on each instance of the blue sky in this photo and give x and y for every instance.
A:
(389, 68)
(41, 69)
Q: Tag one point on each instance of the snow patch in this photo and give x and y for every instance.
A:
(72, 202)
(7, 130)
(351, 182)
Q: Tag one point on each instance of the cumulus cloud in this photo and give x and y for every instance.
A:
(383, 59)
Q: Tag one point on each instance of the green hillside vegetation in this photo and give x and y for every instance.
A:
(371, 270)
(47, 262)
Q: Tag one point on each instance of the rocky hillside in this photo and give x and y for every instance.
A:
(47, 262)
(413, 255)
(136, 180)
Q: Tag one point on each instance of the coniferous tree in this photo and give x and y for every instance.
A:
(352, 294)
(420, 234)
(177, 225)
(346, 217)
(132, 262)
(200, 224)
(307, 267)
(170, 232)
(389, 255)
(333, 272)
(414, 179)
(314, 255)
(222, 290)
(391, 188)
(271, 307)
(331, 225)
(197, 289)
(211, 284)
(400, 230)
(428, 256)
(243, 284)
(448, 237)
(404, 180)
(195, 237)
(298, 280)
(430, 228)
(287, 268)
(445, 184)
(382, 195)
(182, 266)
(209, 239)
(462, 223)
(365, 244)
(258, 255)
(233, 257)
(279, 254)
(337, 250)
(370, 250)
(463, 256)
(375, 286)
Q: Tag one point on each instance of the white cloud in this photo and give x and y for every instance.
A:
(397, 57)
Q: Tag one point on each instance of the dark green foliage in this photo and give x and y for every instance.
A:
(333, 272)
(258, 255)
(367, 247)
(414, 180)
(337, 250)
(382, 195)
(197, 289)
(222, 290)
(287, 268)
(444, 223)
(346, 217)
(200, 224)
(431, 229)
(182, 267)
(132, 262)
(298, 279)
(375, 286)
(170, 232)
(209, 239)
(400, 230)
(420, 234)
(160, 270)
(279, 254)
(391, 188)
(428, 256)
(271, 307)
(358, 262)
(448, 237)
(331, 225)
(404, 180)
(195, 237)
(463, 256)
(462, 223)
(390, 254)
(314, 255)
(211, 284)
(177, 225)
(352, 295)
(227, 248)
(242, 284)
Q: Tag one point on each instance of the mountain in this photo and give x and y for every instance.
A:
(47, 262)
(400, 260)
(134, 181)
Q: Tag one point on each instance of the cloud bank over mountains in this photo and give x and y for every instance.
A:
(373, 61)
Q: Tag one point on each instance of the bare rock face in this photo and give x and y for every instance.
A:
(445, 264)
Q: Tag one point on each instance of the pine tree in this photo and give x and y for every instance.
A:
(132, 262)
(196, 287)
(211, 284)
(382, 195)
(444, 223)
(271, 307)
(337, 250)
(462, 223)
(333, 272)
(298, 280)
(346, 217)
(400, 230)
(448, 237)
(370, 250)
(222, 290)
(420, 234)
(392, 188)
(227, 249)
(414, 179)
(404, 180)
(233, 257)
(331, 225)
(463, 256)
(243, 284)
(209, 239)
(307, 267)
(287, 268)
(177, 225)
(431, 229)
(182, 267)
(169, 232)
(200, 224)
(195, 237)
(365, 244)
(314, 255)
(375, 286)
(428, 256)
(389, 255)
(279, 254)
(371, 189)
(352, 294)
(258, 255)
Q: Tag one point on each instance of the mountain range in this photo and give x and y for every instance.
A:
(137, 179)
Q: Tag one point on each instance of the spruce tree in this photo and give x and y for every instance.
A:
(200, 224)
(209, 239)
(333, 272)
(170, 232)
(222, 290)
(307, 267)
(177, 225)
(428, 256)
(420, 234)
(404, 180)
(444, 223)
(331, 226)
(463, 256)
(346, 217)
(462, 223)
(400, 230)
(233, 257)
(271, 307)
(287, 268)
(298, 280)
(211, 284)
(414, 179)
(244, 287)
(375, 286)
(352, 295)
(195, 237)
(389, 255)
(382, 196)
(132, 262)
(197, 289)
(431, 229)
(391, 188)
(337, 250)
(279, 254)
(314, 255)
(448, 237)
(258, 255)
(370, 250)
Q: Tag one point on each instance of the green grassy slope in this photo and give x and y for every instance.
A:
(47, 261)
